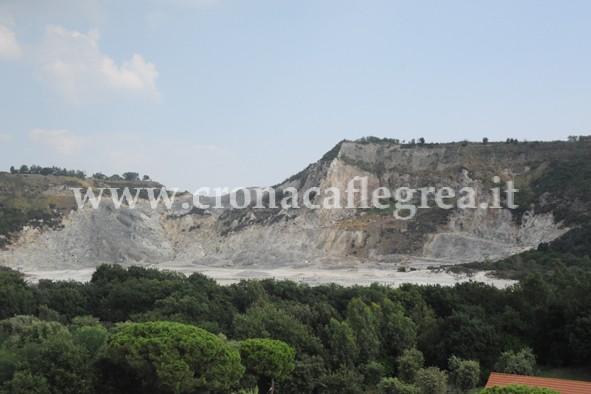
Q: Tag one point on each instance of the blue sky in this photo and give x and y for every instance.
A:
(241, 93)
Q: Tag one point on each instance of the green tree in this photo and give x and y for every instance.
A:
(398, 331)
(16, 298)
(464, 374)
(63, 297)
(395, 386)
(175, 357)
(24, 382)
(373, 372)
(91, 338)
(341, 381)
(66, 366)
(268, 321)
(580, 339)
(364, 322)
(19, 331)
(268, 359)
(522, 362)
(306, 375)
(431, 380)
(469, 334)
(131, 176)
(409, 363)
(485, 140)
(341, 343)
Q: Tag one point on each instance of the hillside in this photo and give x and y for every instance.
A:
(42, 229)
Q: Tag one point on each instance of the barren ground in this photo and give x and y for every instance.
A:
(315, 274)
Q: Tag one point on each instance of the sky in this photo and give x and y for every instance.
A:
(246, 93)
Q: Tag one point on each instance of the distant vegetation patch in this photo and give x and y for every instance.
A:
(572, 250)
(39, 170)
(14, 219)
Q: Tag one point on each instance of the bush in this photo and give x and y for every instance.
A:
(517, 389)
(409, 363)
(431, 380)
(395, 386)
(464, 374)
(522, 362)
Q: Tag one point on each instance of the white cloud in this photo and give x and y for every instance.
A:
(61, 140)
(73, 64)
(9, 47)
(134, 74)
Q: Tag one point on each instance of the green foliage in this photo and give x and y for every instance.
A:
(342, 343)
(463, 374)
(84, 321)
(41, 355)
(131, 176)
(341, 381)
(13, 219)
(517, 389)
(268, 321)
(267, 357)
(35, 169)
(571, 250)
(377, 140)
(346, 338)
(306, 376)
(9, 361)
(522, 362)
(91, 338)
(63, 297)
(409, 363)
(373, 372)
(15, 297)
(580, 339)
(24, 382)
(398, 332)
(395, 386)
(21, 330)
(364, 322)
(431, 380)
(65, 366)
(174, 357)
(470, 334)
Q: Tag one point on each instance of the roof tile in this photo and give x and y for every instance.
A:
(563, 386)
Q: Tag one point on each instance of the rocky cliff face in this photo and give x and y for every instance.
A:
(280, 237)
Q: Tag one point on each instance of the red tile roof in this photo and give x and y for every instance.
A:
(563, 386)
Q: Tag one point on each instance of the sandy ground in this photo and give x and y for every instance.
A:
(313, 275)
